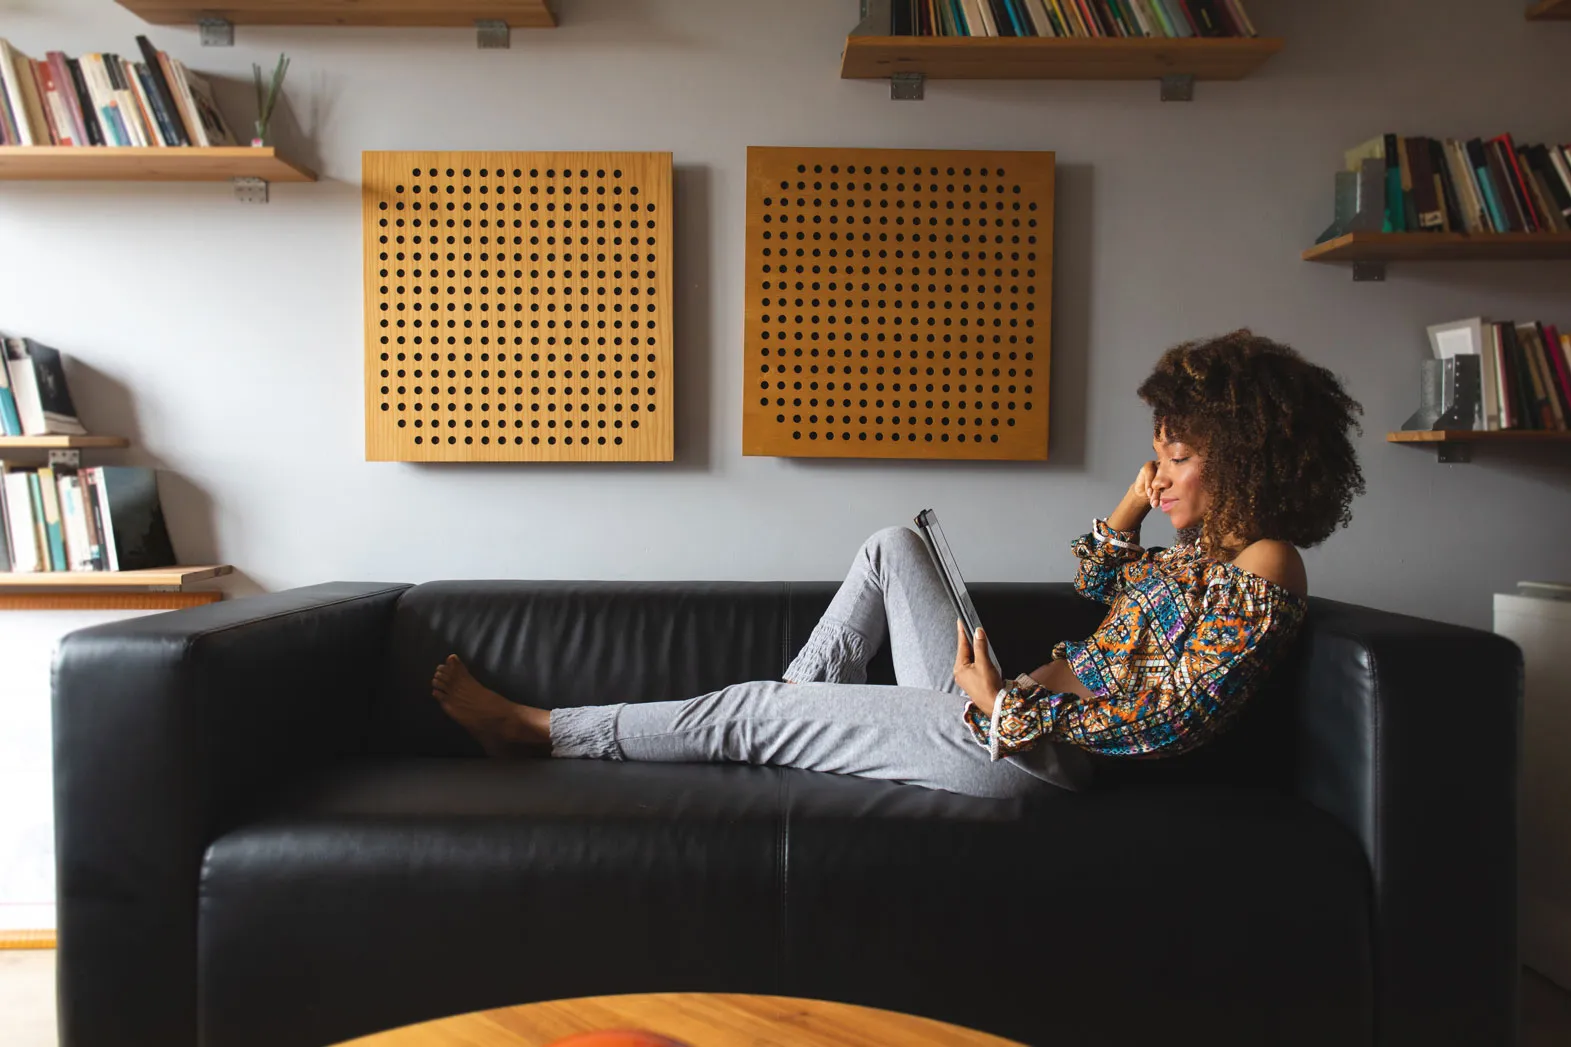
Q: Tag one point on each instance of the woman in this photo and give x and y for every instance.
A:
(1253, 461)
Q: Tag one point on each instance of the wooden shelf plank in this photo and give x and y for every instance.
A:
(1053, 58)
(147, 164)
(60, 443)
(105, 600)
(520, 14)
(1419, 247)
(1437, 436)
(159, 578)
(1546, 10)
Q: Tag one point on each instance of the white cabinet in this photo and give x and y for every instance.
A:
(27, 835)
(1542, 628)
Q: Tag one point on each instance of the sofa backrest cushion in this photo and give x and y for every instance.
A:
(555, 644)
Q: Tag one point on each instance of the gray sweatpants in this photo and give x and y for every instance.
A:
(830, 719)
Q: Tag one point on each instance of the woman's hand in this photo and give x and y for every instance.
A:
(1139, 500)
(974, 672)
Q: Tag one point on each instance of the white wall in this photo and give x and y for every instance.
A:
(226, 339)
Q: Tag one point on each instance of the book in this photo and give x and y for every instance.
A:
(19, 129)
(19, 517)
(135, 535)
(1531, 218)
(1559, 367)
(38, 381)
(1531, 335)
(1516, 401)
(90, 121)
(1474, 218)
(95, 526)
(5, 530)
(155, 69)
(1537, 412)
(1556, 183)
(1396, 194)
(62, 124)
(78, 546)
(1505, 189)
(63, 83)
(1545, 590)
(1426, 203)
(10, 420)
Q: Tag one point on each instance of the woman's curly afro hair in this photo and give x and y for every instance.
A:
(1272, 430)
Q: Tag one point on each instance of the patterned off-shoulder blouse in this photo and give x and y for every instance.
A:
(1185, 643)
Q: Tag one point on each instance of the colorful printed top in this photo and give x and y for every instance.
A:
(1185, 643)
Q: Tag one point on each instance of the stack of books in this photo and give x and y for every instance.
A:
(34, 397)
(1453, 186)
(1524, 370)
(1169, 19)
(106, 518)
(105, 99)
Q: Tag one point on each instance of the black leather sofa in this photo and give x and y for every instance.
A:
(268, 834)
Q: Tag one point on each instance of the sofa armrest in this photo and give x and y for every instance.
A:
(164, 727)
(1410, 733)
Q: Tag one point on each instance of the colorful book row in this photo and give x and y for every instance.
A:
(105, 518)
(1473, 186)
(1525, 370)
(1168, 19)
(104, 99)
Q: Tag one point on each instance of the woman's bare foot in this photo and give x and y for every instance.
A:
(502, 728)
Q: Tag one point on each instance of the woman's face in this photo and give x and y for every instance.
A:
(1177, 483)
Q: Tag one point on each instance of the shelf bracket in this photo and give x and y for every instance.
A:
(216, 32)
(1178, 87)
(493, 34)
(907, 86)
(1453, 453)
(251, 190)
(71, 459)
(1369, 272)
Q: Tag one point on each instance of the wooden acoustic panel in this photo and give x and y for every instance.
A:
(899, 303)
(518, 306)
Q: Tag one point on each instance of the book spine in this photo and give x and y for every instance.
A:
(103, 100)
(155, 67)
(26, 555)
(1508, 416)
(1557, 363)
(1478, 159)
(1505, 191)
(1445, 187)
(10, 420)
(60, 116)
(1473, 219)
(95, 530)
(18, 129)
(1562, 170)
(126, 103)
(106, 519)
(1537, 394)
(1396, 208)
(1531, 218)
(1490, 387)
(90, 121)
(75, 543)
(46, 112)
(62, 76)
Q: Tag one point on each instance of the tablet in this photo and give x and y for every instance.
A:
(938, 548)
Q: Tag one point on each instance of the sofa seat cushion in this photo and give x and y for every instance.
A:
(396, 891)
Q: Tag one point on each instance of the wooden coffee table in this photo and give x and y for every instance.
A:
(697, 1019)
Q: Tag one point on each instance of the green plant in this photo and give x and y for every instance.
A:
(267, 97)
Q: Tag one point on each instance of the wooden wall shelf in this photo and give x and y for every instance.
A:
(1454, 445)
(519, 14)
(1441, 247)
(147, 164)
(1547, 10)
(60, 443)
(159, 578)
(1053, 58)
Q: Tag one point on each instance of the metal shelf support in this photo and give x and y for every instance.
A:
(251, 190)
(216, 32)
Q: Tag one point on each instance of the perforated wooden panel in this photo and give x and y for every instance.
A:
(518, 306)
(899, 303)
